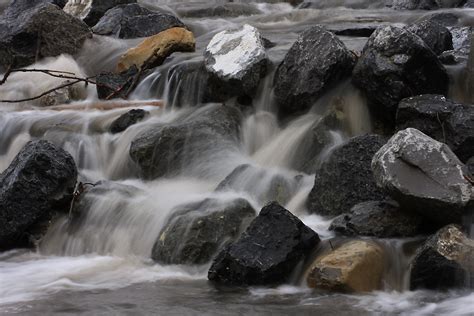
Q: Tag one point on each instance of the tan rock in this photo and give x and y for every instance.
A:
(154, 49)
(356, 266)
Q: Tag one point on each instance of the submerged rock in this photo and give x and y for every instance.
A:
(195, 232)
(443, 260)
(316, 62)
(39, 182)
(90, 11)
(128, 119)
(30, 32)
(382, 219)
(435, 36)
(396, 64)
(442, 119)
(153, 51)
(355, 266)
(235, 60)
(133, 20)
(415, 4)
(423, 176)
(169, 149)
(345, 178)
(116, 85)
(267, 252)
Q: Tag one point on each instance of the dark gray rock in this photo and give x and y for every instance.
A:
(194, 233)
(187, 82)
(224, 10)
(352, 4)
(235, 60)
(443, 260)
(169, 149)
(396, 64)
(115, 85)
(128, 119)
(345, 178)
(382, 219)
(133, 20)
(424, 176)
(39, 182)
(267, 252)
(442, 119)
(31, 32)
(470, 166)
(91, 11)
(317, 61)
(435, 36)
(415, 5)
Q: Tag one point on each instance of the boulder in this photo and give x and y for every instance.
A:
(435, 36)
(194, 233)
(442, 119)
(170, 148)
(116, 85)
(153, 51)
(224, 10)
(235, 60)
(423, 176)
(355, 266)
(395, 64)
(187, 82)
(30, 32)
(133, 20)
(382, 219)
(443, 260)
(267, 252)
(352, 4)
(128, 119)
(90, 11)
(415, 4)
(345, 178)
(317, 61)
(39, 182)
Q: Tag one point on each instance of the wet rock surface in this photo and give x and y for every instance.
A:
(90, 11)
(316, 62)
(195, 233)
(39, 182)
(424, 176)
(116, 85)
(225, 10)
(345, 178)
(435, 36)
(128, 119)
(267, 252)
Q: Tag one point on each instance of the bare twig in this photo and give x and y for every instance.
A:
(44, 93)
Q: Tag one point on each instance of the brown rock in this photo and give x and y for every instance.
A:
(154, 49)
(356, 266)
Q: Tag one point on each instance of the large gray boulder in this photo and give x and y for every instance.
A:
(30, 32)
(443, 261)
(424, 176)
(196, 138)
(90, 11)
(396, 64)
(442, 119)
(267, 252)
(435, 36)
(194, 233)
(317, 61)
(39, 182)
(133, 20)
(236, 60)
(345, 178)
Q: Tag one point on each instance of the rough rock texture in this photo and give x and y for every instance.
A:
(316, 62)
(442, 119)
(90, 11)
(356, 266)
(115, 85)
(382, 219)
(188, 80)
(236, 60)
(267, 252)
(128, 119)
(415, 4)
(424, 176)
(30, 32)
(396, 64)
(435, 36)
(38, 182)
(345, 178)
(194, 233)
(442, 261)
(133, 20)
(224, 10)
(153, 51)
(167, 149)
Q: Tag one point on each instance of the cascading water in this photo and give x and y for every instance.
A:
(108, 245)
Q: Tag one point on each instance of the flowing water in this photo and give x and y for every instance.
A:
(101, 263)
